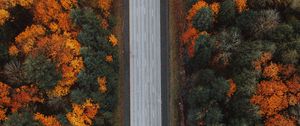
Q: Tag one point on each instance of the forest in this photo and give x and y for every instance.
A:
(241, 63)
(58, 63)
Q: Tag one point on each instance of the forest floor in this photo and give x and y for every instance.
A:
(118, 11)
(176, 28)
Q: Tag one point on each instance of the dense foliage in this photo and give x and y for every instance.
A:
(59, 63)
(241, 59)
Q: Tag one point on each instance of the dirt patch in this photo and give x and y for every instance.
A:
(177, 25)
(118, 30)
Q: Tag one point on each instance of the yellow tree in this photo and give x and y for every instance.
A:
(82, 115)
(47, 120)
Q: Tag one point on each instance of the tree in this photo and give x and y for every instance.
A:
(206, 98)
(46, 120)
(227, 12)
(203, 20)
(241, 5)
(82, 115)
(281, 33)
(195, 8)
(21, 119)
(4, 16)
(41, 71)
(258, 23)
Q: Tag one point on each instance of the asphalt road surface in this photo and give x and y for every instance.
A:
(145, 63)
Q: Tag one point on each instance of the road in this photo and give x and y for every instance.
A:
(145, 63)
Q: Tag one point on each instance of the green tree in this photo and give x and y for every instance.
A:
(203, 20)
(23, 118)
(227, 12)
(257, 23)
(41, 71)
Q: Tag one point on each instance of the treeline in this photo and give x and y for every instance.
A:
(241, 59)
(58, 63)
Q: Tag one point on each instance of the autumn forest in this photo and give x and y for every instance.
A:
(59, 63)
(232, 63)
(241, 63)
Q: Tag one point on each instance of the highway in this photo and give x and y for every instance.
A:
(145, 63)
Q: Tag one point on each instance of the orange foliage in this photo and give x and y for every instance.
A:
(271, 96)
(109, 58)
(102, 84)
(277, 94)
(4, 16)
(272, 71)
(17, 98)
(6, 4)
(67, 4)
(4, 94)
(46, 10)
(53, 27)
(241, 5)
(4, 99)
(47, 120)
(190, 33)
(66, 51)
(288, 70)
(215, 7)
(25, 3)
(104, 24)
(61, 48)
(2, 114)
(105, 4)
(64, 21)
(195, 8)
(189, 37)
(264, 58)
(23, 96)
(13, 50)
(26, 40)
(279, 120)
(191, 48)
(232, 88)
(82, 115)
(113, 40)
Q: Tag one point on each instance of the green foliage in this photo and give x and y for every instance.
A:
(290, 56)
(296, 26)
(95, 47)
(257, 23)
(21, 119)
(204, 51)
(288, 51)
(231, 51)
(208, 90)
(281, 34)
(41, 71)
(214, 116)
(227, 12)
(267, 4)
(203, 20)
